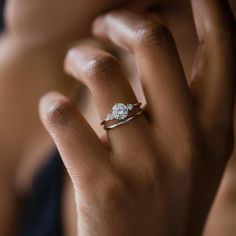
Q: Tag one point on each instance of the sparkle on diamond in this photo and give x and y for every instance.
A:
(130, 106)
(109, 117)
(120, 111)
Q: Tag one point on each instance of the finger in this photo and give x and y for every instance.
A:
(80, 148)
(104, 77)
(157, 59)
(214, 71)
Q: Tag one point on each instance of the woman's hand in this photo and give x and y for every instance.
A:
(32, 49)
(158, 174)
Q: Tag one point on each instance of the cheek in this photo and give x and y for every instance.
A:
(48, 20)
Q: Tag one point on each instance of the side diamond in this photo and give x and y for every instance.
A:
(130, 106)
(109, 117)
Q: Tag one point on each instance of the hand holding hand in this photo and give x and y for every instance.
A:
(158, 174)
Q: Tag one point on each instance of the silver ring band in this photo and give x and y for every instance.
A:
(124, 121)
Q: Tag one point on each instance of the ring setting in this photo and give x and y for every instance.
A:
(121, 112)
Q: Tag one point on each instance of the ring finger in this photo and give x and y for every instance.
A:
(106, 80)
(158, 62)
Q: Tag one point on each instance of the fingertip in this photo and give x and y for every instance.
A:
(98, 25)
(53, 107)
(70, 61)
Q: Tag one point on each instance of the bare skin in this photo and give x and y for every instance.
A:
(116, 186)
(22, 42)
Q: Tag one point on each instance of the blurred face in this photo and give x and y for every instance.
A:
(63, 19)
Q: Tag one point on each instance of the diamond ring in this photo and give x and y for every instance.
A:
(106, 127)
(121, 112)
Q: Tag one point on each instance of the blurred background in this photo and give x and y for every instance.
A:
(1, 14)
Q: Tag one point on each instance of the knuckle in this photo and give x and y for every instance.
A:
(145, 176)
(222, 139)
(111, 191)
(188, 149)
(151, 34)
(102, 67)
(59, 112)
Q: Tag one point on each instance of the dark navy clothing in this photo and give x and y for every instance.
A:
(42, 208)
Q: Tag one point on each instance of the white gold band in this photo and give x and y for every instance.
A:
(124, 121)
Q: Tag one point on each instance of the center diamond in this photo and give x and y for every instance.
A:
(120, 111)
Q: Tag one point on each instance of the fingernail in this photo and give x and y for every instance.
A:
(97, 24)
(48, 103)
(70, 61)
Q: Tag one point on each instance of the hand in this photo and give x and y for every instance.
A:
(32, 50)
(158, 174)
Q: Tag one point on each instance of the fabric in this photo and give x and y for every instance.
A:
(43, 215)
